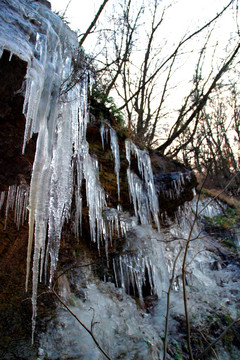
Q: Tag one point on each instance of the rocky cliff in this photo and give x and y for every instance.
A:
(31, 81)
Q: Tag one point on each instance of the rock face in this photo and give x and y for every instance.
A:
(15, 167)
(174, 183)
(97, 199)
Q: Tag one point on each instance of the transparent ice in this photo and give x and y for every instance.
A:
(173, 188)
(115, 151)
(17, 200)
(2, 198)
(142, 191)
(104, 131)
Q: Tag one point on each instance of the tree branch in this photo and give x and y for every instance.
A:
(174, 53)
(201, 103)
(92, 23)
(204, 352)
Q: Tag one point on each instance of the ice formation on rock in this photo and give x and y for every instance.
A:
(175, 185)
(120, 329)
(104, 131)
(38, 36)
(142, 191)
(2, 198)
(139, 264)
(209, 207)
(58, 113)
(17, 200)
(115, 151)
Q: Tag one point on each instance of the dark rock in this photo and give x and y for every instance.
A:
(13, 164)
(174, 183)
(45, 2)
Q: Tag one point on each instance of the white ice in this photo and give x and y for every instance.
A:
(142, 191)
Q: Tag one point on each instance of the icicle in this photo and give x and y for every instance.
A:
(94, 192)
(141, 263)
(132, 274)
(17, 200)
(10, 202)
(59, 115)
(2, 198)
(78, 213)
(139, 198)
(143, 194)
(115, 151)
(20, 208)
(104, 134)
(128, 151)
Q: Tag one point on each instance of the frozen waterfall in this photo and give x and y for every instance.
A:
(99, 200)
(142, 191)
(58, 113)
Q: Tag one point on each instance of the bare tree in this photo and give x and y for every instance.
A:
(142, 76)
(93, 23)
(196, 108)
(139, 95)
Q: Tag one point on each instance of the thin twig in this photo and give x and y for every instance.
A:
(203, 353)
(52, 291)
(220, 192)
(71, 268)
(185, 290)
(204, 337)
(184, 264)
(93, 23)
(168, 305)
(81, 323)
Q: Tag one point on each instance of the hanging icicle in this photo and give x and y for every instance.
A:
(17, 200)
(115, 151)
(142, 192)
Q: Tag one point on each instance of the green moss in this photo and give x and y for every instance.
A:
(230, 245)
(122, 355)
(223, 226)
(175, 347)
(103, 105)
(228, 220)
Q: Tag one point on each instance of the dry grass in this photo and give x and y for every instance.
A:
(229, 200)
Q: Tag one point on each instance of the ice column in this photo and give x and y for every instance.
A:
(141, 263)
(115, 151)
(95, 197)
(104, 131)
(2, 198)
(17, 200)
(104, 134)
(142, 192)
(57, 112)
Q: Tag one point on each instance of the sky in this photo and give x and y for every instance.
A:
(184, 17)
(80, 12)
